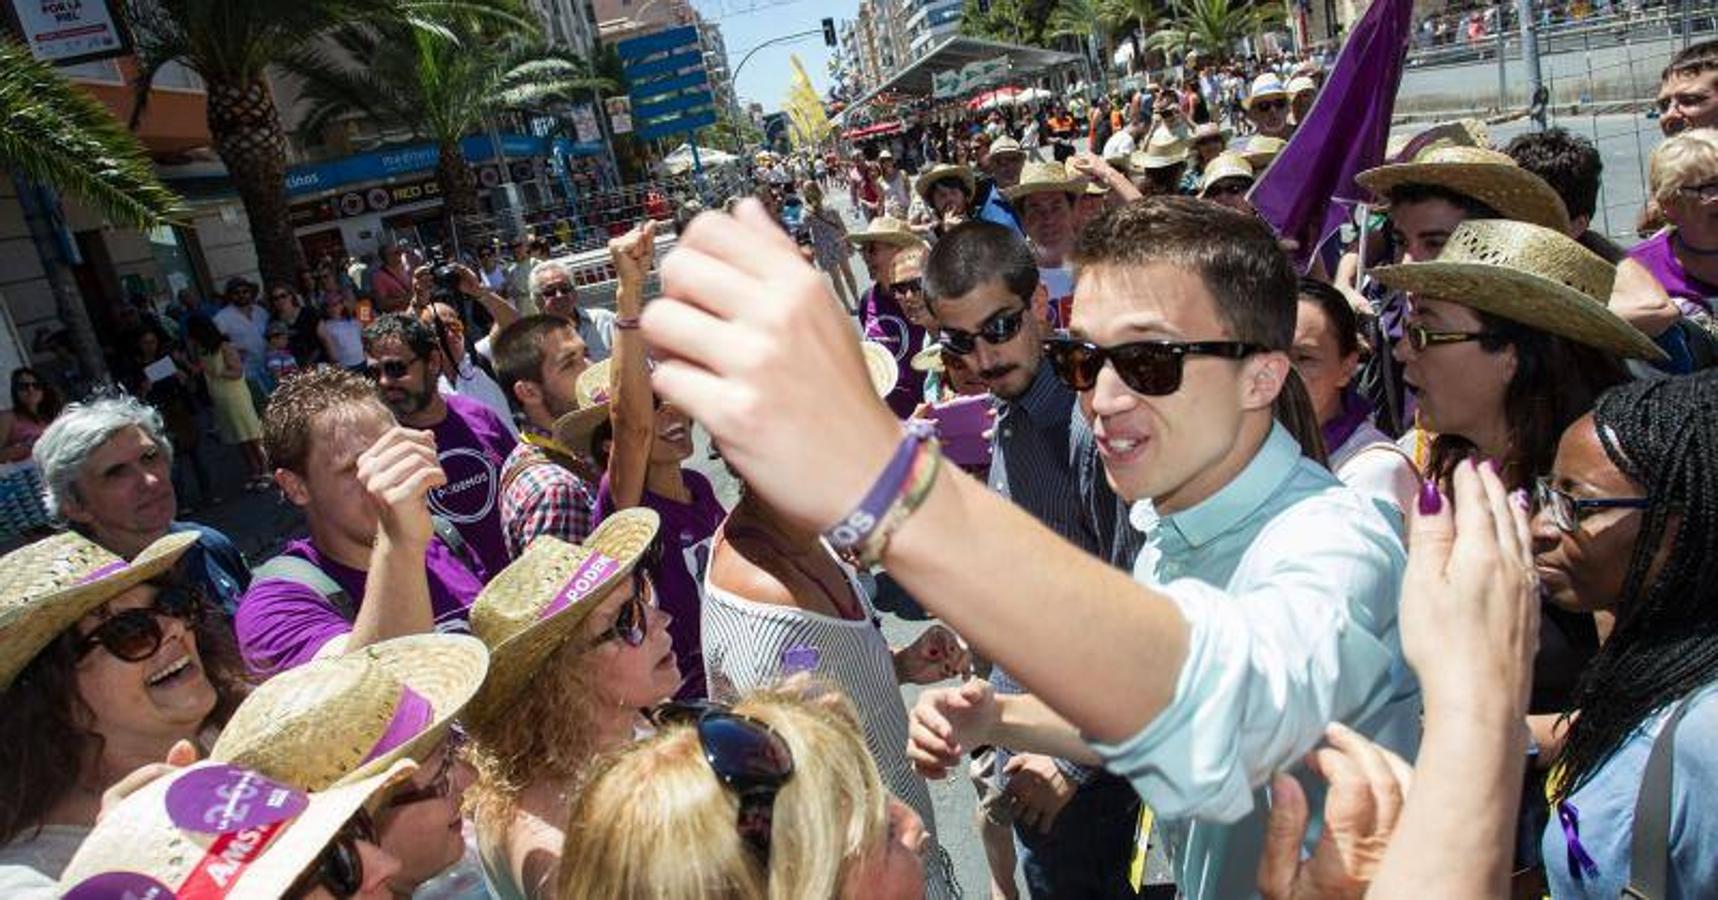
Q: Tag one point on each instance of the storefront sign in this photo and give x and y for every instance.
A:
(381, 165)
(973, 75)
(352, 204)
(66, 32)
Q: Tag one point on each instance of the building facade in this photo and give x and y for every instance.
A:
(876, 44)
(928, 22)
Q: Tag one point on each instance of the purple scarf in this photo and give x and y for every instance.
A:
(1355, 412)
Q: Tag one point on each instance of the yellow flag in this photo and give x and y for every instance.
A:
(810, 125)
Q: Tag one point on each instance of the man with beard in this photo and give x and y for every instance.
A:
(543, 491)
(471, 441)
(1075, 823)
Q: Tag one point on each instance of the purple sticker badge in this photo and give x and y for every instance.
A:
(799, 658)
(119, 886)
(225, 799)
(589, 576)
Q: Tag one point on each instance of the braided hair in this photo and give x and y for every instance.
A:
(1662, 434)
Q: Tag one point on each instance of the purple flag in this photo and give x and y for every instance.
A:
(1307, 191)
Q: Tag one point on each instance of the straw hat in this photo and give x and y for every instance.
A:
(1165, 148)
(1261, 151)
(1226, 165)
(341, 719)
(1006, 146)
(1266, 85)
(1460, 133)
(1535, 276)
(1209, 131)
(576, 429)
(929, 359)
(1301, 84)
(880, 365)
(888, 230)
(54, 582)
(158, 842)
(937, 173)
(1045, 178)
(1485, 175)
(1093, 186)
(539, 601)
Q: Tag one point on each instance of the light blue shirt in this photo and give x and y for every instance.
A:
(1289, 582)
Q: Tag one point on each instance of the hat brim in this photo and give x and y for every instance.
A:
(1045, 187)
(513, 662)
(929, 359)
(883, 237)
(880, 366)
(1283, 93)
(576, 429)
(36, 624)
(1514, 192)
(1525, 298)
(923, 186)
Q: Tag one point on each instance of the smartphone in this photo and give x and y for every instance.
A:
(961, 426)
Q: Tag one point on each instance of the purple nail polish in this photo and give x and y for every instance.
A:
(1519, 498)
(1494, 467)
(1431, 501)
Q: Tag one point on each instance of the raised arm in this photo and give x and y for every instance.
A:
(632, 407)
(398, 472)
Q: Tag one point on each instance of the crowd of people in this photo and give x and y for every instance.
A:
(1393, 577)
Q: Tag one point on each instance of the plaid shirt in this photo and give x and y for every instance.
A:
(539, 497)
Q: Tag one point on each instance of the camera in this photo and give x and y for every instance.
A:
(445, 276)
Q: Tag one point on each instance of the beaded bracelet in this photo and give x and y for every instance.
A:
(925, 468)
(850, 535)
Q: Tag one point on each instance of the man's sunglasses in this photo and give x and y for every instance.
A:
(392, 369)
(748, 757)
(1266, 106)
(442, 784)
(998, 329)
(909, 286)
(1152, 368)
(1420, 337)
(557, 289)
(340, 866)
(133, 635)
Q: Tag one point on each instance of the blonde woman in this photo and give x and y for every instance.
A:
(577, 648)
(774, 798)
(1666, 285)
(829, 242)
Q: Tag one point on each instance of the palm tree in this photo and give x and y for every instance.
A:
(230, 44)
(1135, 17)
(1215, 26)
(61, 136)
(437, 86)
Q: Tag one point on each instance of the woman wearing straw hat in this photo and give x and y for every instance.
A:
(105, 666)
(185, 834)
(709, 791)
(577, 647)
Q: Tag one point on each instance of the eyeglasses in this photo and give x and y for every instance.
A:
(1705, 193)
(1420, 337)
(1566, 510)
(748, 757)
(442, 784)
(133, 635)
(1266, 106)
(1152, 368)
(392, 369)
(340, 866)
(909, 286)
(998, 329)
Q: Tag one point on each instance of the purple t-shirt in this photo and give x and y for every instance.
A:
(281, 624)
(472, 444)
(687, 529)
(1657, 256)
(886, 324)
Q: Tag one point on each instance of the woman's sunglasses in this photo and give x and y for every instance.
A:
(748, 757)
(134, 635)
(632, 622)
(1420, 337)
(340, 867)
(442, 784)
(998, 329)
(1152, 368)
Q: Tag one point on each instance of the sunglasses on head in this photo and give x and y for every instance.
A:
(392, 369)
(133, 635)
(998, 329)
(747, 756)
(442, 784)
(908, 286)
(1152, 368)
(340, 866)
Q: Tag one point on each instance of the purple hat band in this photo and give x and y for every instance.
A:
(586, 579)
(117, 565)
(411, 717)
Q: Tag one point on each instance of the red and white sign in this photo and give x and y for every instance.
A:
(70, 31)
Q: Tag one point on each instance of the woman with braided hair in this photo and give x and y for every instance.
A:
(1628, 522)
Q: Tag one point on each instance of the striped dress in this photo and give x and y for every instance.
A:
(748, 645)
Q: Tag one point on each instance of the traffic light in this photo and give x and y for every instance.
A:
(829, 32)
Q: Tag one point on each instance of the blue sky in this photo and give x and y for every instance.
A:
(748, 23)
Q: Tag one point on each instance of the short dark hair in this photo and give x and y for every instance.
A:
(1235, 255)
(1419, 192)
(1568, 162)
(976, 253)
(1694, 59)
(1338, 310)
(407, 329)
(518, 350)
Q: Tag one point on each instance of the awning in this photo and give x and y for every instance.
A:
(871, 131)
(958, 50)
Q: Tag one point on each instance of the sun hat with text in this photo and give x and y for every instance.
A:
(214, 830)
(52, 583)
(1527, 274)
(340, 719)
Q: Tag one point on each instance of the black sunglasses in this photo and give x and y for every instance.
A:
(442, 784)
(998, 329)
(632, 621)
(748, 757)
(1152, 368)
(1269, 105)
(556, 289)
(393, 369)
(134, 635)
(340, 866)
(910, 285)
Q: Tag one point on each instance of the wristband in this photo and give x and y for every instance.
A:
(626, 323)
(851, 532)
(924, 476)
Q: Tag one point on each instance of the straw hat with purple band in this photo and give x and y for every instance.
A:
(887, 230)
(1527, 274)
(214, 830)
(1045, 178)
(576, 429)
(1460, 133)
(54, 582)
(1265, 86)
(538, 603)
(938, 172)
(341, 719)
(1225, 165)
(1261, 150)
(1488, 176)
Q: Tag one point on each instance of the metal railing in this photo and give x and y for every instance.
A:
(1610, 29)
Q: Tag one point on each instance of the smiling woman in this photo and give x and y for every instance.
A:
(105, 664)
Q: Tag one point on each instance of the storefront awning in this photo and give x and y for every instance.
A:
(872, 131)
(956, 51)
